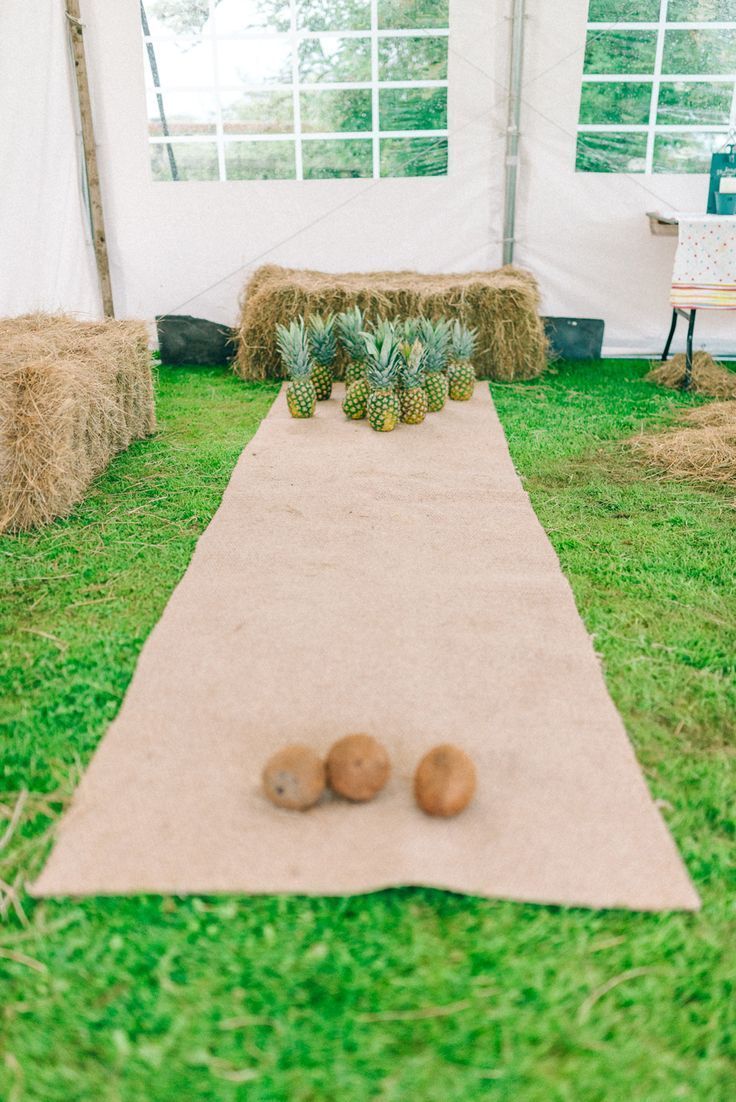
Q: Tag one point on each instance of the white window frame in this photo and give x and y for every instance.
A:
(295, 36)
(652, 128)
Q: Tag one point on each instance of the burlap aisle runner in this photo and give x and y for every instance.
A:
(398, 584)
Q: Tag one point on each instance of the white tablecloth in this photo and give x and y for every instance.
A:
(705, 264)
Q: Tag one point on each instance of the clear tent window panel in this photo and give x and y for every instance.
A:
(296, 89)
(659, 85)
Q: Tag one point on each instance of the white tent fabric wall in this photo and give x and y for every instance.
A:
(188, 247)
(173, 245)
(47, 256)
(585, 234)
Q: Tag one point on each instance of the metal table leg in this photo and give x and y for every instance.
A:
(690, 315)
(671, 336)
(688, 380)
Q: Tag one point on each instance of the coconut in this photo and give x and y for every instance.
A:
(358, 767)
(444, 783)
(294, 778)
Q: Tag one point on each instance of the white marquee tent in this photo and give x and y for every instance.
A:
(187, 247)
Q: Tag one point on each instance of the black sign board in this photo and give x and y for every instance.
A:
(722, 164)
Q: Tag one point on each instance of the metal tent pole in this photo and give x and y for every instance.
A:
(513, 133)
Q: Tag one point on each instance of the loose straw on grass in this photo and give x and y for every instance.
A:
(709, 378)
(702, 449)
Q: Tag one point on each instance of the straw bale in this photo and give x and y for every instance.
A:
(709, 377)
(72, 395)
(503, 305)
(701, 449)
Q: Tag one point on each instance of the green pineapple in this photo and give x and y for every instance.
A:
(323, 346)
(412, 395)
(384, 358)
(355, 402)
(350, 326)
(460, 372)
(293, 346)
(435, 337)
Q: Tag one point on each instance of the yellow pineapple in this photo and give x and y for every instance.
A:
(460, 372)
(412, 395)
(355, 403)
(323, 346)
(293, 346)
(383, 359)
(435, 337)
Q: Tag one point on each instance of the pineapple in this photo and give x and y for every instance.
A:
(384, 358)
(355, 403)
(461, 373)
(350, 326)
(412, 395)
(293, 346)
(436, 340)
(323, 346)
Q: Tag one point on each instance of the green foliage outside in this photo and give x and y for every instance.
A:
(334, 15)
(260, 161)
(406, 994)
(325, 160)
(699, 51)
(410, 14)
(682, 104)
(647, 11)
(686, 53)
(628, 103)
(414, 156)
(623, 152)
(623, 11)
(620, 51)
(325, 60)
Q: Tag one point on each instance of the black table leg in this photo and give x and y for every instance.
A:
(671, 337)
(688, 380)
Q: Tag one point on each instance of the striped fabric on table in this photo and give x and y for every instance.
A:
(705, 265)
(714, 296)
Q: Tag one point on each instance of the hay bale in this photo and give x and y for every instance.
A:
(503, 306)
(709, 378)
(702, 450)
(72, 395)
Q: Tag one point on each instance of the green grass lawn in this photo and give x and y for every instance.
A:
(406, 995)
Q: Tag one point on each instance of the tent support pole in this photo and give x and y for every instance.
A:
(99, 240)
(518, 16)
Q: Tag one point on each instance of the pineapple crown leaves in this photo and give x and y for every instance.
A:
(464, 341)
(350, 326)
(436, 337)
(412, 369)
(410, 329)
(388, 327)
(383, 359)
(322, 339)
(293, 346)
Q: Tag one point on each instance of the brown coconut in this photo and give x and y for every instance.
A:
(358, 767)
(444, 783)
(294, 778)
